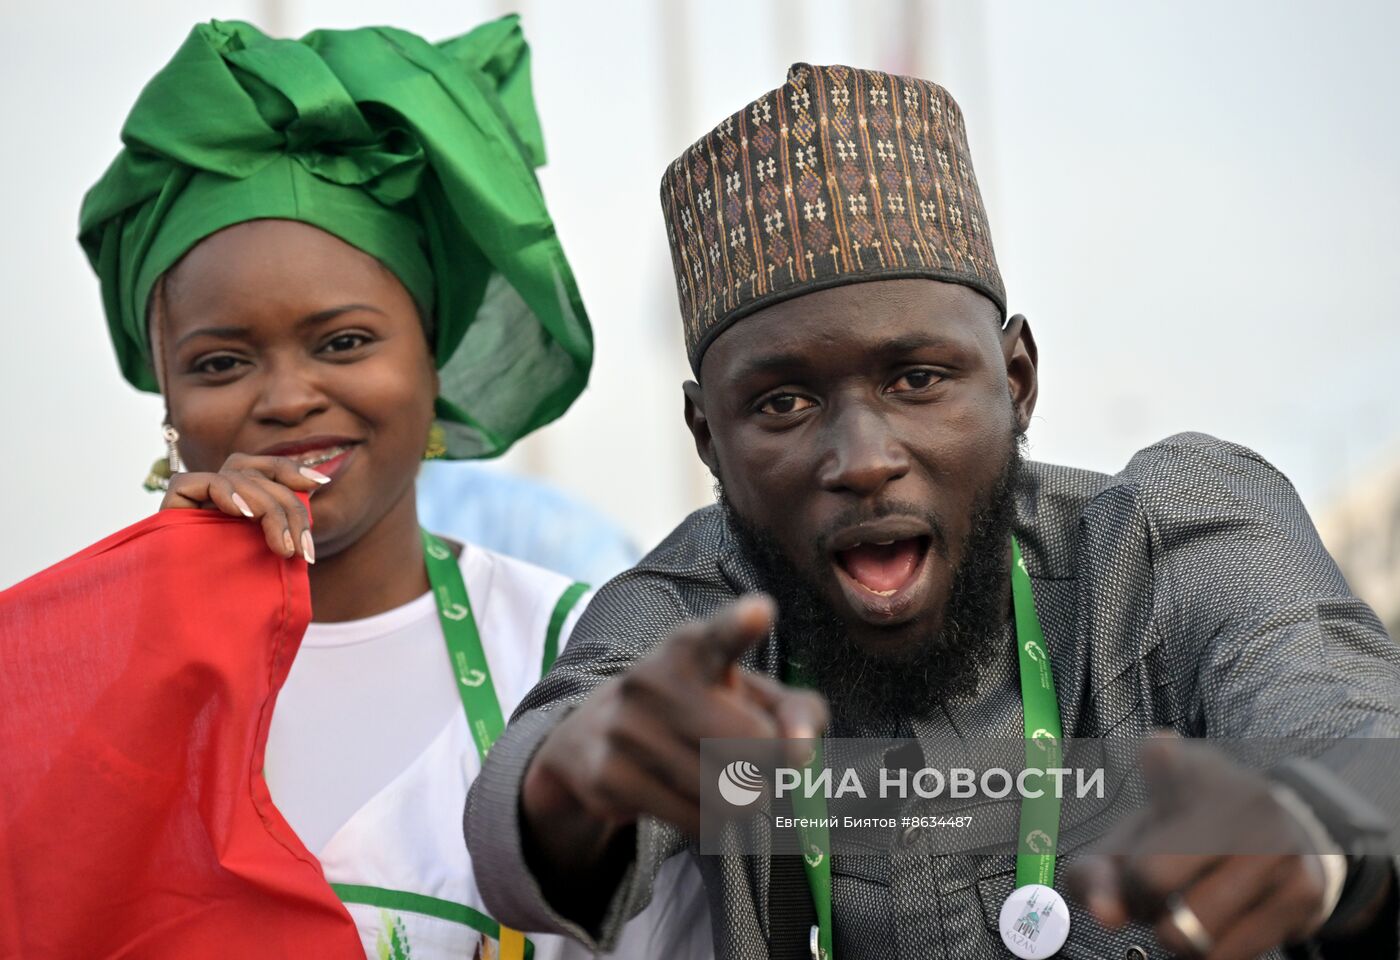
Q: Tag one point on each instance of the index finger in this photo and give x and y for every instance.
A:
(802, 714)
(713, 645)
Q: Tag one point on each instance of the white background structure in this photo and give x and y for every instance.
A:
(1197, 204)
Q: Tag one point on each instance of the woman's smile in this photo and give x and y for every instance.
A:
(327, 455)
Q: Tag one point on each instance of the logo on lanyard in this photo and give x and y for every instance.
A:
(1039, 841)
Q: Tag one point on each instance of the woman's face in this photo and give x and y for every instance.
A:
(280, 339)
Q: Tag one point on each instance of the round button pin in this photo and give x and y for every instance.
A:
(1034, 922)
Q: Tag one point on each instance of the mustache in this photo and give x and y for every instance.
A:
(857, 514)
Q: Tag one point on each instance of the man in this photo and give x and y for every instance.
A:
(859, 398)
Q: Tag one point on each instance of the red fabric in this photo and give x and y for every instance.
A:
(137, 681)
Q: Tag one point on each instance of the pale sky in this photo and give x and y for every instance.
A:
(1195, 203)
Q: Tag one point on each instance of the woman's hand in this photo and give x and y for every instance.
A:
(260, 488)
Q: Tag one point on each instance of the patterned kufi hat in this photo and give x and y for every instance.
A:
(840, 175)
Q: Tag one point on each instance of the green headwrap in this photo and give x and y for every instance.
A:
(421, 155)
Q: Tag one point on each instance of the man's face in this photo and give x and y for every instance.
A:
(861, 430)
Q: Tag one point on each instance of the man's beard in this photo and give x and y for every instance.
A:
(870, 692)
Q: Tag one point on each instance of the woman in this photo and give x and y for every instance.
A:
(332, 258)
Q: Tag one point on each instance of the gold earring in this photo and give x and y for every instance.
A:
(169, 465)
(437, 443)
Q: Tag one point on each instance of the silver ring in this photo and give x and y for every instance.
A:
(1189, 925)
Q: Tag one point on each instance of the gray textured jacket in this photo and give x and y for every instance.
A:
(1188, 591)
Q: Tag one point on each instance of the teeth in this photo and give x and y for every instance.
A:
(883, 543)
(313, 457)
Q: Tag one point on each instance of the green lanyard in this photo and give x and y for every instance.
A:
(483, 709)
(816, 856)
(469, 665)
(1040, 816)
(1039, 831)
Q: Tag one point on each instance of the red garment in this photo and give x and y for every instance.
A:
(137, 681)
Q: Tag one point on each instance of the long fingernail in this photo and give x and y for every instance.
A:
(308, 549)
(288, 545)
(316, 475)
(242, 505)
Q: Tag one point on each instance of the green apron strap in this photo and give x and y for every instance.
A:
(567, 601)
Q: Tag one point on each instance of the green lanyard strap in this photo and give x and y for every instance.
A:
(815, 841)
(1039, 830)
(484, 719)
(1040, 816)
(469, 664)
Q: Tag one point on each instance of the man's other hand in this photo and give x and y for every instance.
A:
(1218, 906)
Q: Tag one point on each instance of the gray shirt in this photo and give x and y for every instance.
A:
(1188, 591)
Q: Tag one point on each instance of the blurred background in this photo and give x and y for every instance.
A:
(1197, 205)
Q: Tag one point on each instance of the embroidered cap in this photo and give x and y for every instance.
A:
(838, 176)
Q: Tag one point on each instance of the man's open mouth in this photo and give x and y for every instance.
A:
(881, 567)
(884, 568)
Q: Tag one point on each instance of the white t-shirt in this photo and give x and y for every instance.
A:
(362, 700)
(369, 758)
